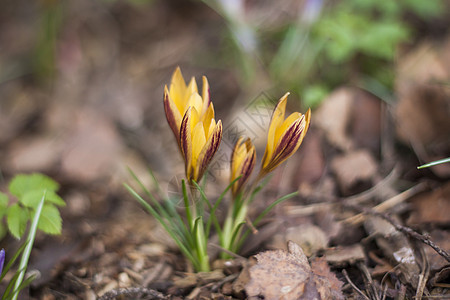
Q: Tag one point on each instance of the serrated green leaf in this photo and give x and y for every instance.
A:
(32, 198)
(17, 219)
(50, 221)
(24, 183)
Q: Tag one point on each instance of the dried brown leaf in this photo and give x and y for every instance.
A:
(353, 168)
(431, 207)
(283, 274)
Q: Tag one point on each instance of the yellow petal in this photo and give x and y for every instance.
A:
(209, 130)
(275, 122)
(191, 88)
(194, 117)
(242, 163)
(285, 125)
(178, 90)
(205, 95)
(210, 148)
(198, 142)
(195, 101)
(237, 157)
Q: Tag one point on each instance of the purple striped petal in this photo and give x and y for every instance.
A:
(289, 143)
(208, 151)
(186, 140)
(171, 110)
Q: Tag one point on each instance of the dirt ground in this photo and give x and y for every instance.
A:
(372, 225)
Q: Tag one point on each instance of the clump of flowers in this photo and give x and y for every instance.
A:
(192, 120)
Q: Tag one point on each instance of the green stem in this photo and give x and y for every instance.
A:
(237, 213)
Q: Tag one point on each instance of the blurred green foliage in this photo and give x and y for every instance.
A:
(330, 44)
(50, 22)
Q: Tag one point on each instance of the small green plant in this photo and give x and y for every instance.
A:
(35, 201)
(28, 191)
(18, 281)
(191, 118)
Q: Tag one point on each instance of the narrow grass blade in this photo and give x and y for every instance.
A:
(235, 236)
(434, 163)
(7, 294)
(12, 260)
(161, 210)
(155, 202)
(166, 227)
(155, 181)
(26, 282)
(263, 214)
(259, 188)
(214, 208)
(29, 245)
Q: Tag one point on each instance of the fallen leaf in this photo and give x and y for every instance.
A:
(287, 275)
(334, 115)
(431, 207)
(345, 255)
(309, 237)
(352, 168)
(328, 286)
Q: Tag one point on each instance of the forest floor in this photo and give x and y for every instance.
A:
(372, 225)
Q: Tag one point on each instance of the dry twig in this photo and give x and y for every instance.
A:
(386, 204)
(406, 230)
(354, 286)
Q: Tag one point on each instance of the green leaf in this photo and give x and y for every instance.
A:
(24, 183)
(50, 221)
(32, 198)
(17, 219)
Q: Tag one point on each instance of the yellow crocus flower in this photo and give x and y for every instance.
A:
(242, 162)
(285, 135)
(179, 97)
(200, 137)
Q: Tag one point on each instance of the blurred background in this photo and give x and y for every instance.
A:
(81, 86)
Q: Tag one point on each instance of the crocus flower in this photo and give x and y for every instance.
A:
(179, 97)
(285, 135)
(2, 259)
(200, 137)
(243, 160)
